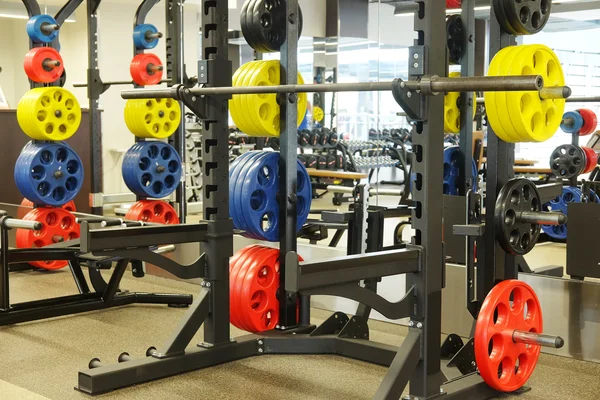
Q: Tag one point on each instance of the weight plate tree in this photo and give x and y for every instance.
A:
(254, 193)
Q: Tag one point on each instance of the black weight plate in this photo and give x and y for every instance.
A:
(246, 22)
(527, 17)
(253, 32)
(567, 161)
(269, 23)
(502, 18)
(515, 237)
(455, 38)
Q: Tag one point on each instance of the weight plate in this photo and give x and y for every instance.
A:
(39, 67)
(48, 173)
(151, 169)
(560, 204)
(533, 118)
(572, 122)
(34, 28)
(452, 110)
(590, 121)
(526, 17)
(49, 113)
(58, 225)
(318, 114)
(591, 159)
(452, 171)
(146, 69)
(233, 268)
(455, 38)
(503, 364)
(27, 205)
(492, 114)
(516, 237)
(152, 118)
(242, 122)
(155, 211)
(239, 267)
(268, 24)
(567, 161)
(239, 203)
(250, 104)
(140, 39)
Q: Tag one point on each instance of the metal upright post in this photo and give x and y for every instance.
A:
(288, 168)
(467, 68)
(175, 72)
(215, 153)
(5, 269)
(428, 57)
(497, 265)
(95, 89)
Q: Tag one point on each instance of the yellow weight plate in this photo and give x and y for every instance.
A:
(534, 118)
(232, 108)
(490, 97)
(152, 118)
(318, 114)
(240, 119)
(451, 109)
(509, 67)
(49, 113)
(251, 103)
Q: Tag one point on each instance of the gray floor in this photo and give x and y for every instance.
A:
(42, 358)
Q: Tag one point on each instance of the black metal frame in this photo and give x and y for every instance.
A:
(96, 252)
(418, 360)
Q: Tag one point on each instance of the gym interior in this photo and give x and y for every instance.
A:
(433, 239)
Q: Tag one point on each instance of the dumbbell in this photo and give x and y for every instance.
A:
(331, 162)
(333, 138)
(324, 137)
(339, 161)
(302, 159)
(304, 137)
(311, 161)
(321, 162)
(315, 138)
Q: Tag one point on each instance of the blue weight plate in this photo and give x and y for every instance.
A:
(48, 173)
(577, 124)
(235, 183)
(258, 196)
(34, 28)
(152, 169)
(560, 204)
(139, 37)
(241, 202)
(234, 171)
(304, 193)
(452, 171)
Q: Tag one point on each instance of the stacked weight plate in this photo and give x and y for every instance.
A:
(259, 114)
(451, 171)
(523, 116)
(254, 195)
(452, 110)
(560, 204)
(253, 285)
(146, 68)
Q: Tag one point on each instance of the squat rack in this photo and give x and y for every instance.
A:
(418, 359)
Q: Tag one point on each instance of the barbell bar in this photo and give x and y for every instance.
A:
(432, 85)
(372, 191)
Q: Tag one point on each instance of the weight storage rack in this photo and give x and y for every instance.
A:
(418, 361)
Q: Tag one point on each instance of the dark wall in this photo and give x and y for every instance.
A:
(13, 139)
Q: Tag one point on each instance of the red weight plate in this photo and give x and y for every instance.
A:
(258, 300)
(591, 159)
(452, 4)
(27, 205)
(155, 211)
(257, 254)
(146, 69)
(43, 64)
(234, 270)
(503, 364)
(57, 225)
(590, 122)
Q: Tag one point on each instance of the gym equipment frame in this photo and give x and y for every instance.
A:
(418, 360)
